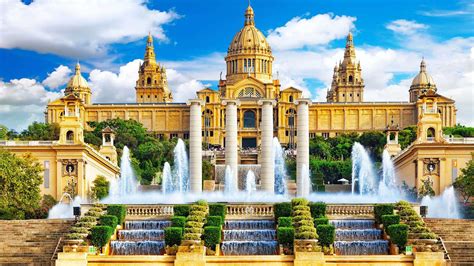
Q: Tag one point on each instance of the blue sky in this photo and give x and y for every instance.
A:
(38, 52)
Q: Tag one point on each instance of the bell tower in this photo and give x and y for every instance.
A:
(107, 148)
(152, 85)
(71, 130)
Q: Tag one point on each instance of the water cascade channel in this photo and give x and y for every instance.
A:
(358, 237)
(249, 237)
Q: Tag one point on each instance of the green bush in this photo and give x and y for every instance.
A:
(85, 224)
(218, 209)
(212, 236)
(282, 209)
(108, 220)
(193, 230)
(173, 236)
(428, 235)
(416, 223)
(388, 220)
(89, 219)
(398, 234)
(197, 208)
(74, 236)
(318, 209)
(299, 202)
(95, 214)
(214, 221)
(11, 213)
(196, 218)
(192, 236)
(297, 219)
(181, 210)
(306, 222)
(382, 209)
(321, 221)
(193, 224)
(327, 234)
(178, 221)
(301, 208)
(407, 212)
(118, 211)
(100, 235)
(79, 230)
(285, 222)
(201, 202)
(286, 235)
(306, 235)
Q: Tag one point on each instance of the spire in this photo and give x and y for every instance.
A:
(149, 52)
(422, 65)
(78, 69)
(349, 53)
(249, 16)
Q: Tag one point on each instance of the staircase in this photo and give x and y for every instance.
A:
(458, 237)
(358, 237)
(249, 237)
(31, 242)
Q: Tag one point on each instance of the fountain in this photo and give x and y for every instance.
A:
(443, 206)
(358, 237)
(250, 184)
(229, 181)
(181, 167)
(249, 237)
(167, 179)
(388, 184)
(362, 170)
(280, 168)
(126, 184)
(64, 210)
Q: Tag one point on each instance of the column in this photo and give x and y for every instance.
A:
(231, 141)
(195, 145)
(302, 145)
(267, 163)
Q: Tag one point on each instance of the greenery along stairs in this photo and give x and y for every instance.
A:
(458, 237)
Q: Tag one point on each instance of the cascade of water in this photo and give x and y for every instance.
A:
(249, 237)
(138, 235)
(167, 179)
(248, 224)
(181, 166)
(64, 210)
(250, 183)
(147, 225)
(137, 247)
(358, 234)
(443, 206)
(358, 237)
(280, 168)
(305, 182)
(126, 184)
(362, 170)
(388, 184)
(229, 180)
(375, 247)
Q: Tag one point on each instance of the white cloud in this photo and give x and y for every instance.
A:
(317, 30)
(58, 77)
(403, 26)
(75, 29)
(182, 86)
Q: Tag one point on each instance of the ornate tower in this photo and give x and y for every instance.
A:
(107, 148)
(78, 86)
(422, 83)
(152, 86)
(71, 130)
(347, 84)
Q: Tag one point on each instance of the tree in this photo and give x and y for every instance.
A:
(20, 178)
(3, 132)
(320, 148)
(407, 136)
(100, 189)
(374, 142)
(459, 131)
(207, 170)
(464, 184)
(41, 131)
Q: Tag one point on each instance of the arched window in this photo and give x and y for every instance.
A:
(249, 119)
(249, 93)
(291, 113)
(148, 81)
(70, 136)
(290, 99)
(350, 79)
(430, 133)
(207, 99)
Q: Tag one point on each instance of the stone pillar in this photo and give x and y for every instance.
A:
(429, 259)
(195, 145)
(267, 162)
(302, 142)
(71, 259)
(231, 140)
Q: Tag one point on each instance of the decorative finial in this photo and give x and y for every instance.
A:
(422, 64)
(78, 68)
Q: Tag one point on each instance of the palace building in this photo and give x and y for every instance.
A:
(249, 78)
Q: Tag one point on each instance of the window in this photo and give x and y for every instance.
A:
(325, 135)
(350, 79)
(290, 99)
(207, 99)
(70, 136)
(350, 94)
(46, 174)
(430, 132)
(173, 135)
(148, 81)
(249, 119)
(249, 93)
(245, 65)
(312, 135)
(186, 136)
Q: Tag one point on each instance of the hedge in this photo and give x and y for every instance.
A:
(321, 221)
(382, 209)
(398, 234)
(100, 235)
(299, 202)
(181, 210)
(282, 209)
(218, 209)
(327, 234)
(214, 221)
(318, 209)
(118, 211)
(108, 220)
(173, 236)
(285, 222)
(178, 221)
(388, 220)
(286, 235)
(212, 236)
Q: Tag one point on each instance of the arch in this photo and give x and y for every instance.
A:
(70, 136)
(207, 99)
(290, 99)
(249, 92)
(249, 119)
(430, 132)
(148, 81)
(351, 79)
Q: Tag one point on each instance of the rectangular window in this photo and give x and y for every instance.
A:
(186, 136)
(325, 135)
(46, 174)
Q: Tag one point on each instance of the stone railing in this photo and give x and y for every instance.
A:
(350, 211)
(27, 143)
(149, 211)
(459, 140)
(254, 211)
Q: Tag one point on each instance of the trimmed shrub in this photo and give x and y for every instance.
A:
(398, 234)
(407, 212)
(318, 209)
(181, 210)
(218, 209)
(85, 224)
(100, 235)
(74, 236)
(88, 219)
(197, 218)
(306, 235)
(173, 236)
(192, 230)
(201, 202)
(428, 235)
(193, 224)
(212, 236)
(416, 223)
(79, 230)
(302, 208)
(299, 202)
(197, 208)
(388, 220)
(108, 220)
(178, 221)
(382, 209)
(214, 221)
(282, 209)
(321, 221)
(285, 222)
(286, 235)
(192, 236)
(118, 211)
(93, 214)
(306, 222)
(305, 228)
(327, 234)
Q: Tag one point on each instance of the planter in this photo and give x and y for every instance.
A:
(394, 249)
(191, 243)
(83, 249)
(305, 245)
(426, 241)
(209, 185)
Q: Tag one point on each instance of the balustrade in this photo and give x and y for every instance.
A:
(242, 211)
(359, 211)
(149, 211)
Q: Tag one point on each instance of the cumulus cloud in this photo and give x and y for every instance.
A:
(58, 77)
(317, 30)
(75, 29)
(404, 26)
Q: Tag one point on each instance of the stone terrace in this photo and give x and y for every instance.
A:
(30, 242)
(458, 237)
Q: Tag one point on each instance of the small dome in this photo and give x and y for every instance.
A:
(423, 78)
(77, 81)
